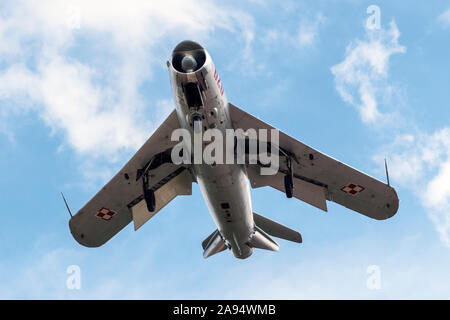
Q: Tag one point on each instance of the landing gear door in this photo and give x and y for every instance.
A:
(176, 184)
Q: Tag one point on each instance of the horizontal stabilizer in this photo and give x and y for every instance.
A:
(276, 230)
(213, 244)
(261, 240)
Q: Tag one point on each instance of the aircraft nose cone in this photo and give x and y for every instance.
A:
(188, 63)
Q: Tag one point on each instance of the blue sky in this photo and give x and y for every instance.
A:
(84, 83)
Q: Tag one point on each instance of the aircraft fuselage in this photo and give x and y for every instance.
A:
(199, 94)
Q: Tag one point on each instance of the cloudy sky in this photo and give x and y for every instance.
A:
(84, 83)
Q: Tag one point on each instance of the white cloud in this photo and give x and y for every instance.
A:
(362, 77)
(421, 163)
(444, 19)
(95, 100)
(308, 31)
(44, 277)
(306, 37)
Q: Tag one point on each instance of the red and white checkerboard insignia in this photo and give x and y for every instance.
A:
(352, 189)
(105, 214)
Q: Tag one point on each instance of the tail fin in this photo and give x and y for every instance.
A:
(261, 240)
(213, 244)
(277, 230)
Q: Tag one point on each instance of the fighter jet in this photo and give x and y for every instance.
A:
(151, 178)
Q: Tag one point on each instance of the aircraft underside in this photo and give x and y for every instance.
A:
(164, 168)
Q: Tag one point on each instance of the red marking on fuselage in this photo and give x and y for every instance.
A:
(217, 79)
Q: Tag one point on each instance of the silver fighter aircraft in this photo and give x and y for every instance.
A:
(151, 179)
